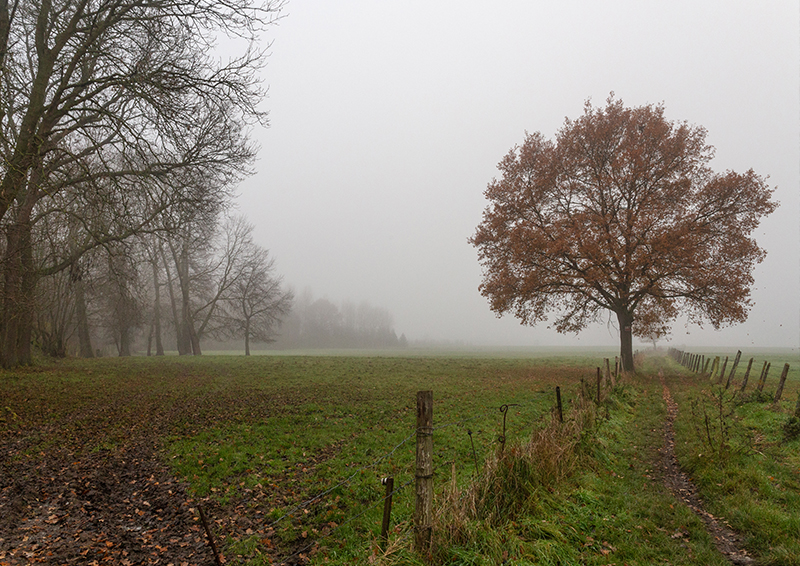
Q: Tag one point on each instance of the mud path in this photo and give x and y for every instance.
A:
(681, 486)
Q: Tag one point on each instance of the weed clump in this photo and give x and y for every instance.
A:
(791, 429)
(754, 396)
(716, 425)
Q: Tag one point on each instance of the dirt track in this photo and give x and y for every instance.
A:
(726, 540)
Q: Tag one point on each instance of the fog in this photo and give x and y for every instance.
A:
(388, 119)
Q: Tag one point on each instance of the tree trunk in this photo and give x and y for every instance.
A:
(124, 340)
(157, 311)
(626, 340)
(188, 343)
(84, 340)
(194, 338)
(247, 337)
(18, 289)
(174, 304)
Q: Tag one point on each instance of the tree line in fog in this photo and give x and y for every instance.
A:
(320, 323)
(204, 278)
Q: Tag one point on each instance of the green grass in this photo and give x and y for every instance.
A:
(298, 444)
(755, 484)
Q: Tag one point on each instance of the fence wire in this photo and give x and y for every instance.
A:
(367, 509)
(346, 481)
(483, 414)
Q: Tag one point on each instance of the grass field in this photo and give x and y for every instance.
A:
(285, 455)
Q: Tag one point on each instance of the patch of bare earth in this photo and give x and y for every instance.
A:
(124, 506)
(725, 539)
(106, 507)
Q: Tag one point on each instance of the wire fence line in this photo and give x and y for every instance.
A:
(308, 502)
(347, 480)
(524, 408)
(329, 534)
(484, 413)
(714, 368)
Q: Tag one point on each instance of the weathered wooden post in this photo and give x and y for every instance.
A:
(797, 406)
(761, 375)
(609, 378)
(714, 368)
(705, 367)
(722, 373)
(387, 507)
(746, 375)
(423, 510)
(781, 383)
(733, 369)
(763, 379)
(616, 366)
(558, 404)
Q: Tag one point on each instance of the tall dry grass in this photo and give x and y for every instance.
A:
(511, 479)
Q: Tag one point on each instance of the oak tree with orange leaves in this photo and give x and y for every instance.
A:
(621, 212)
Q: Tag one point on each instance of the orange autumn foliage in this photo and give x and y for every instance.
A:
(621, 213)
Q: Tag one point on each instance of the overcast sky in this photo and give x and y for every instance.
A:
(388, 119)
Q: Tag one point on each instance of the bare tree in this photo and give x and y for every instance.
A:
(257, 302)
(123, 296)
(123, 104)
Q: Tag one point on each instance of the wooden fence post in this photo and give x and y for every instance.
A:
(764, 374)
(746, 375)
(423, 510)
(714, 368)
(387, 507)
(609, 378)
(705, 367)
(733, 369)
(598, 385)
(722, 373)
(797, 406)
(781, 383)
(558, 404)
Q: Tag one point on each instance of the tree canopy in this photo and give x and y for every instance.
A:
(621, 212)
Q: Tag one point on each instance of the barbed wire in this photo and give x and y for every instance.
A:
(346, 522)
(348, 479)
(304, 504)
(487, 410)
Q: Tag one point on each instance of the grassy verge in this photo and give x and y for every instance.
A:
(607, 505)
(746, 466)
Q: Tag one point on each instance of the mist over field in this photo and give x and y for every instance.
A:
(388, 121)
